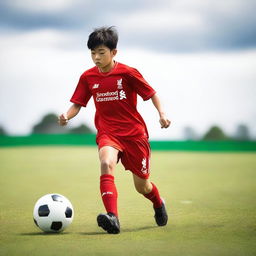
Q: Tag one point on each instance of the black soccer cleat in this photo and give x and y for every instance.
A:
(109, 222)
(161, 216)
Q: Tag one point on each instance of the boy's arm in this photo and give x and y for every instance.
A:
(72, 112)
(165, 123)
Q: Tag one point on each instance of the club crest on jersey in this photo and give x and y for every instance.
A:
(119, 83)
(95, 86)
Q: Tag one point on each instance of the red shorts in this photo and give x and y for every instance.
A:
(133, 152)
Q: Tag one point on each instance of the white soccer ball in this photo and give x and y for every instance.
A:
(53, 213)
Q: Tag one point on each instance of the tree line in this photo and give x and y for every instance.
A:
(49, 125)
(215, 132)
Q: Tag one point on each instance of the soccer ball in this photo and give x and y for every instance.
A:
(53, 213)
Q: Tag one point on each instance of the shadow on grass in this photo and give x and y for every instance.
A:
(43, 234)
(125, 230)
(138, 229)
(93, 233)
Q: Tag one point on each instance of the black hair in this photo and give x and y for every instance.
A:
(106, 36)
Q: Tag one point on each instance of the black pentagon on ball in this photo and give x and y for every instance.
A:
(43, 210)
(68, 212)
(57, 198)
(56, 225)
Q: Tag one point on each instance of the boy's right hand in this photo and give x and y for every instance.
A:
(63, 119)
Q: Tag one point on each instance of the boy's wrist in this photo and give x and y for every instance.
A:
(66, 117)
(161, 113)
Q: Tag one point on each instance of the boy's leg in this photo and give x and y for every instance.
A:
(150, 191)
(136, 158)
(108, 159)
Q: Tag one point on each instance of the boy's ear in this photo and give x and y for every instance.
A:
(114, 52)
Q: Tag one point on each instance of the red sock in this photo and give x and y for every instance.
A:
(154, 197)
(108, 193)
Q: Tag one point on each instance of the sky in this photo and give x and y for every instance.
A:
(199, 55)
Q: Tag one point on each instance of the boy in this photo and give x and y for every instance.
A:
(121, 131)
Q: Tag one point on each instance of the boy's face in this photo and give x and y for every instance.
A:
(102, 57)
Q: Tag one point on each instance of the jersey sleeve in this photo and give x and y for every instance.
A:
(140, 85)
(82, 92)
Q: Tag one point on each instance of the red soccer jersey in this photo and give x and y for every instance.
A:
(115, 98)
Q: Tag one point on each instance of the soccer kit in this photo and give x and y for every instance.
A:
(121, 126)
(116, 119)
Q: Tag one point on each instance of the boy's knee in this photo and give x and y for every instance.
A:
(107, 166)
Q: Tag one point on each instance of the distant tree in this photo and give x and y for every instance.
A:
(242, 132)
(81, 129)
(189, 133)
(2, 131)
(49, 125)
(215, 133)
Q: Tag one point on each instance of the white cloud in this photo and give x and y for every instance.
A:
(160, 20)
(177, 25)
(41, 5)
(37, 76)
(188, 26)
(197, 90)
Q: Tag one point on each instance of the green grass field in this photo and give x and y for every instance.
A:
(211, 200)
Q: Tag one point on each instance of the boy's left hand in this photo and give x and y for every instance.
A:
(165, 123)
